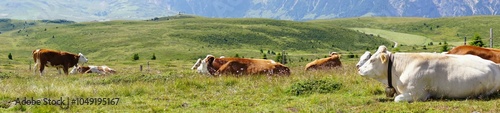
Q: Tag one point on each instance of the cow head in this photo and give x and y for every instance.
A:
(82, 59)
(205, 63)
(74, 70)
(376, 66)
(365, 57)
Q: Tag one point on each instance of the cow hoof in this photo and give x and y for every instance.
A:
(389, 92)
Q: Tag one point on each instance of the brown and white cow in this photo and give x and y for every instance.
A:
(59, 59)
(325, 63)
(101, 70)
(198, 67)
(485, 53)
(239, 66)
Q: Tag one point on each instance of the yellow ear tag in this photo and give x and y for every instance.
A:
(383, 58)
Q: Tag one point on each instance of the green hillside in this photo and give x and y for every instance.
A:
(451, 29)
(168, 85)
(187, 39)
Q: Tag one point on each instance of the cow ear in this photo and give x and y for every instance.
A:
(210, 60)
(383, 58)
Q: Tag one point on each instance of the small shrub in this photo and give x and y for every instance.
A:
(10, 56)
(279, 58)
(477, 41)
(136, 56)
(445, 48)
(154, 57)
(313, 86)
(350, 55)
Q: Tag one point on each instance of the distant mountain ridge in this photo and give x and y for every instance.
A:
(90, 10)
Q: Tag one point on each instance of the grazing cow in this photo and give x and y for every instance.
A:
(418, 76)
(238, 66)
(58, 59)
(325, 63)
(485, 53)
(101, 70)
(363, 59)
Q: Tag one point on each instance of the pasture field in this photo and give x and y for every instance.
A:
(401, 38)
(178, 89)
(168, 85)
(449, 29)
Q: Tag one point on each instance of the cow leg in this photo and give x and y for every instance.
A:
(42, 67)
(35, 67)
(412, 88)
(65, 69)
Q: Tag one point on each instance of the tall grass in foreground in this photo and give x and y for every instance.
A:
(185, 91)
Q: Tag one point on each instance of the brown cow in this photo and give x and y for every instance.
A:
(101, 70)
(485, 53)
(238, 66)
(59, 59)
(325, 63)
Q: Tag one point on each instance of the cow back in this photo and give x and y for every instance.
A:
(485, 53)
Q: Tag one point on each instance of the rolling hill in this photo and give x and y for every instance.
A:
(186, 39)
(451, 30)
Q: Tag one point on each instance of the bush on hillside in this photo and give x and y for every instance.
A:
(477, 41)
(59, 21)
(154, 57)
(10, 56)
(313, 86)
(136, 56)
(445, 47)
(350, 55)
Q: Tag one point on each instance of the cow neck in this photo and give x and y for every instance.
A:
(389, 71)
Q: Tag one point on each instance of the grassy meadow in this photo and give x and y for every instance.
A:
(449, 29)
(402, 38)
(184, 90)
(168, 85)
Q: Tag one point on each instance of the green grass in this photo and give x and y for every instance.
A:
(185, 39)
(185, 91)
(401, 38)
(450, 29)
(167, 84)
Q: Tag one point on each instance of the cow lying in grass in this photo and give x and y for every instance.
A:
(101, 70)
(198, 68)
(241, 66)
(485, 53)
(325, 63)
(419, 76)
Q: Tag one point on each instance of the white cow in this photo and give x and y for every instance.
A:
(418, 76)
(101, 70)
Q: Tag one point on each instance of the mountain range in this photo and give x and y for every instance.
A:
(299, 10)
